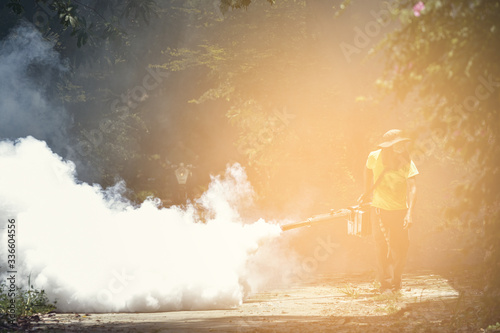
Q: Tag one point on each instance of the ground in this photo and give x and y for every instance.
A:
(429, 302)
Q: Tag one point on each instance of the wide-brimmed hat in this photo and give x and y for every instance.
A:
(391, 137)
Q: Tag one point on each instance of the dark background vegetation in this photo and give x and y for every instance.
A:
(298, 92)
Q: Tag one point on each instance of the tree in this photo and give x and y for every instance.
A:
(88, 20)
(445, 51)
(225, 5)
(279, 91)
(105, 46)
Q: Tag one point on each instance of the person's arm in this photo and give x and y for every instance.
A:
(412, 197)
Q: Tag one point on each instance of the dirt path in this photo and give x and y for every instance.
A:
(428, 303)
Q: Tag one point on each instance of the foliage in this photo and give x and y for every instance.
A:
(493, 328)
(140, 9)
(350, 290)
(74, 15)
(263, 68)
(260, 67)
(225, 5)
(447, 54)
(27, 302)
(112, 147)
(141, 196)
(95, 89)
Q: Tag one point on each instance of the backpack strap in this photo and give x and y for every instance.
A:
(372, 188)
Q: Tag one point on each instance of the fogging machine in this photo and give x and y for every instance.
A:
(358, 220)
(358, 217)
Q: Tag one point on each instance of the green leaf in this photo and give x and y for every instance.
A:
(16, 7)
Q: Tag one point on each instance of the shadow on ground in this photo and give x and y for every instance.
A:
(339, 303)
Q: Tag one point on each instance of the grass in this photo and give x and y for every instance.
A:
(22, 303)
(350, 290)
(389, 308)
(388, 297)
(493, 328)
(391, 302)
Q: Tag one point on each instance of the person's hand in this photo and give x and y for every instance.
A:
(362, 198)
(408, 221)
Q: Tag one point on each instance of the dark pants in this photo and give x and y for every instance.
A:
(392, 243)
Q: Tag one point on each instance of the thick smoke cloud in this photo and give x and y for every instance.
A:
(89, 248)
(28, 64)
(92, 251)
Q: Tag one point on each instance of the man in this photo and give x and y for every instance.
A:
(390, 177)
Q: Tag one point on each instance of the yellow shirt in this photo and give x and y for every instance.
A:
(390, 193)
